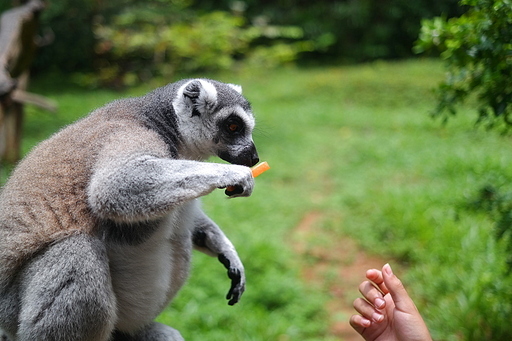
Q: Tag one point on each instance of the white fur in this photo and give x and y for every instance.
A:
(237, 88)
(179, 105)
(193, 132)
(146, 276)
(207, 98)
(206, 102)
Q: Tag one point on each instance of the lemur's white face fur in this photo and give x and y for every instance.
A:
(215, 119)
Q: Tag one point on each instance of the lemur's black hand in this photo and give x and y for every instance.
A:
(234, 190)
(237, 280)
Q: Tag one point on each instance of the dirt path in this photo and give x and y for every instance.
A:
(335, 265)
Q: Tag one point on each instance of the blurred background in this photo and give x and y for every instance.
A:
(385, 122)
(129, 40)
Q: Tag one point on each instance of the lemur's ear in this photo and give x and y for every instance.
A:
(237, 88)
(203, 96)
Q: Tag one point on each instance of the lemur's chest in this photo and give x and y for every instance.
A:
(147, 275)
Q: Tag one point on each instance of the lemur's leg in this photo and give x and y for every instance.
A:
(67, 293)
(210, 239)
(147, 187)
(154, 332)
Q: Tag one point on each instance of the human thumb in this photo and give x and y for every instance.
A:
(397, 291)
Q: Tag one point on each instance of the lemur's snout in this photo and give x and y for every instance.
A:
(247, 157)
(250, 157)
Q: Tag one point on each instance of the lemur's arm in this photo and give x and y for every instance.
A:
(147, 187)
(210, 239)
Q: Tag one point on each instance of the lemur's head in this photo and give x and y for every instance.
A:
(215, 119)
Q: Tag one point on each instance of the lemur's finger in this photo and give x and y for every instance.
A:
(234, 190)
(232, 296)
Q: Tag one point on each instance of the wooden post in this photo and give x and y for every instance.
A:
(18, 27)
(11, 129)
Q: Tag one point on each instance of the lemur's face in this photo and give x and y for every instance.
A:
(215, 119)
(234, 142)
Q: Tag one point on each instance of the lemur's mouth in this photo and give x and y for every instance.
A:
(248, 157)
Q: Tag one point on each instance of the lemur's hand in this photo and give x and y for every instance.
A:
(237, 275)
(239, 181)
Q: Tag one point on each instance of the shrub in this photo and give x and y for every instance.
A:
(350, 30)
(496, 201)
(477, 50)
(142, 42)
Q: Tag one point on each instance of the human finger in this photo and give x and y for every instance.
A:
(367, 310)
(376, 277)
(372, 293)
(397, 290)
(359, 323)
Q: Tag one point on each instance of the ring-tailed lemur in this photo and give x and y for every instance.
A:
(98, 222)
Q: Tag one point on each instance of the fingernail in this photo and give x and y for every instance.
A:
(365, 322)
(379, 303)
(387, 269)
(377, 317)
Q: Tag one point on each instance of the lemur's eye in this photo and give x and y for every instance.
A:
(234, 125)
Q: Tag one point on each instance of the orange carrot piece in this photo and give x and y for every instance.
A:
(261, 168)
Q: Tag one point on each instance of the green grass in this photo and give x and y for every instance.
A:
(356, 144)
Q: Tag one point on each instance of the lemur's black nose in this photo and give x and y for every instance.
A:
(254, 161)
(249, 161)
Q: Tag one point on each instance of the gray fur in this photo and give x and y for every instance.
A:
(97, 223)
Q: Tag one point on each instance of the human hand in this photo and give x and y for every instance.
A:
(386, 312)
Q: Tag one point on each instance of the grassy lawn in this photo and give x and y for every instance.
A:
(354, 144)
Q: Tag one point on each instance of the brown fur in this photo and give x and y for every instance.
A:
(55, 205)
